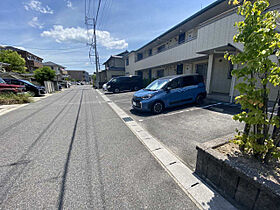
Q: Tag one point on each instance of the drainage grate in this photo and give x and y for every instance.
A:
(172, 163)
(127, 119)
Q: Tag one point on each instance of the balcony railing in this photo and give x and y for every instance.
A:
(168, 48)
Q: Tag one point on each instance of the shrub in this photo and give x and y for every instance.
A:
(261, 41)
(11, 98)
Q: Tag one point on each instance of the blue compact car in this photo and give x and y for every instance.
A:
(168, 92)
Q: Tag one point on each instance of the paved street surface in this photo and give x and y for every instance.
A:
(71, 151)
(182, 128)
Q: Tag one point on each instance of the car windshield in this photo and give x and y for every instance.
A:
(113, 80)
(2, 81)
(27, 82)
(157, 84)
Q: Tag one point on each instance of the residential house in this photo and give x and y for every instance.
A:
(79, 75)
(114, 67)
(196, 45)
(32, 62)
(60, 71)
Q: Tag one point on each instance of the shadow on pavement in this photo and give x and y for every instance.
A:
(231, 109)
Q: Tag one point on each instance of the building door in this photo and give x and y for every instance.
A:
(201, 69)
(180, 69)
(221, 78)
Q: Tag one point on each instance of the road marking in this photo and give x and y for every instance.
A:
(202, 195)
(182, 111)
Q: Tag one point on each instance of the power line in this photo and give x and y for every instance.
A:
(91, 23)
(105, 17)
(102, 14)
(98, 8)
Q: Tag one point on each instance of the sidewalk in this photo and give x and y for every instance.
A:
(4, 109)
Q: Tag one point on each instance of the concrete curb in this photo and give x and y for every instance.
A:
(201, 194)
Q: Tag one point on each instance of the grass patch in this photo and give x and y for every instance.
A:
(10, 98)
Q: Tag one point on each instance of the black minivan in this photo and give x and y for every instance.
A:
(122, 83)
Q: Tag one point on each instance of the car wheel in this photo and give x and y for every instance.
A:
(136, 88)
(199, 99)
(157, 107)
(117, 90)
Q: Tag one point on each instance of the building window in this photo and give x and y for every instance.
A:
(150, 52)
(181, 38)
(127, 61)
(180, 69)
(139, 56)
(190, 35)
(161, 48)
(160, 73)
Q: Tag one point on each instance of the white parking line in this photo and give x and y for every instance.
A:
(197, 191)
(182, 111)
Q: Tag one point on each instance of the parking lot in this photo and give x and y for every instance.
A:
(182, 128)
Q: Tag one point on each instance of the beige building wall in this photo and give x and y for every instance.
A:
(218, 32)
(119, 63)
(221, 81)
(111, 74)
(130, 69)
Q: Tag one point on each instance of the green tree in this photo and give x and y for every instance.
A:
(44, 74)
(261, 41)
(93, 79)
(17, 63)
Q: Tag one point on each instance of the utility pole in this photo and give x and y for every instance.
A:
(95, 53)
(91, 22)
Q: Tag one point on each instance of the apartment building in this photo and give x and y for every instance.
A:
(32, 62)
(79, 75)
(196, 45)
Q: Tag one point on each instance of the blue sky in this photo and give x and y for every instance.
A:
(55, 29)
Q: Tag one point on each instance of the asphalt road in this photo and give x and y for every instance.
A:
(71, 151)
(182, 128)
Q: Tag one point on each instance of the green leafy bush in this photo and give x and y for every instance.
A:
(17, 63)
(44, 74)
(10, 98)
(257, 71)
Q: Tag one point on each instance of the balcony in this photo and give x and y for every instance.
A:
(36, 64)
(173, 54)
(218, 31)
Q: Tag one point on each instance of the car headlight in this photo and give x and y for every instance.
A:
(147, 96)
(108, 86)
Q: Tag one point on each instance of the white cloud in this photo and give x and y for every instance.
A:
(35, 23)
(38, 7)
(69, 4)
(79, 35)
